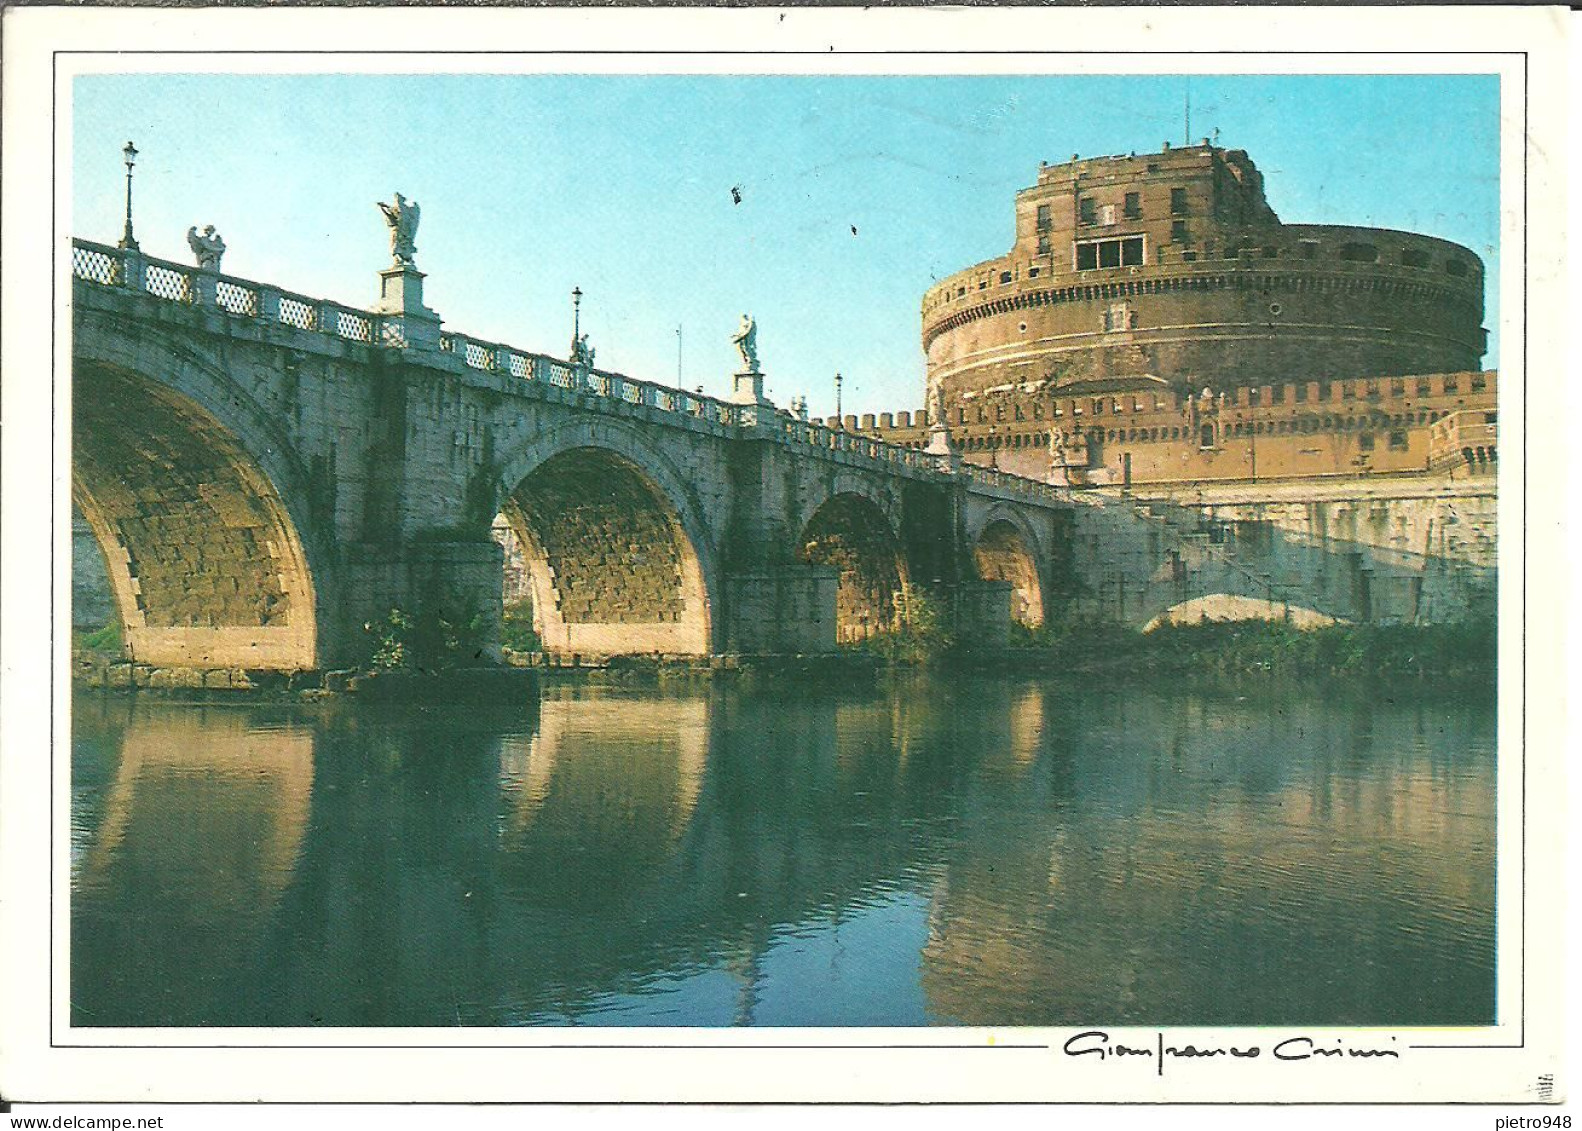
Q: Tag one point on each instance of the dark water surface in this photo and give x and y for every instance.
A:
(936, 851)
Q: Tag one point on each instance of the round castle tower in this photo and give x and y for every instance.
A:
(1171, 269)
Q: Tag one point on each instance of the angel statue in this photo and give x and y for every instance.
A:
(582, 352)
(402, 216)
(936, 407)
(746, 342)
(207, 248)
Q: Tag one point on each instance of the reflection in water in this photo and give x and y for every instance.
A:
(948, 852)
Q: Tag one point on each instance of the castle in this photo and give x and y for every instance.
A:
(1156, 323)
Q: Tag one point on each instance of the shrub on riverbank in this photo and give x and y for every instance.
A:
(1451, 651)
(925, 634)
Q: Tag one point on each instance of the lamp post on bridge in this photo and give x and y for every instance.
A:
(129, 155)
(840, 421)
(576, 324)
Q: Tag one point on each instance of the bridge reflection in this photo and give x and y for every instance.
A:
(1004, 853)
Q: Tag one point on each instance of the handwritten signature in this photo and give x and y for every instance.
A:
(1096, 1042)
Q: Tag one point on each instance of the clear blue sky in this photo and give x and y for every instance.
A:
(531, 185)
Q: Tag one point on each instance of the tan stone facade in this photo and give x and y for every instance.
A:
(1173, 265)
(1145, 432)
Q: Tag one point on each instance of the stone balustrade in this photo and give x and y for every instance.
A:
(241, 298)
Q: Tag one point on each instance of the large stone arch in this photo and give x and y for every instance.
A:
(1220, 606)
(619, 557)
(201, 512)
(1006, 548)
(851, 532)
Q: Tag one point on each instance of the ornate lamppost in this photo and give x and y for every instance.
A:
(576, 324)
(840, 421)
(129, 155)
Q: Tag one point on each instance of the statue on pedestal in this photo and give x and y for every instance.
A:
(402, 216)
(207, 248)
(582, 352)
(746, 342)
(936, 407)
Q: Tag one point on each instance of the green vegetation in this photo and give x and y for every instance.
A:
(1453, 652)
(437, 641)
(106, 641)
(516, 628)
(926, 634)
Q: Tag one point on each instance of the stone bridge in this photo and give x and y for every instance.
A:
(1144, 561)
(269, 474)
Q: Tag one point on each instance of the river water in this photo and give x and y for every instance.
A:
(933, 851)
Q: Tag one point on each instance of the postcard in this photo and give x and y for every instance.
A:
(783, 556)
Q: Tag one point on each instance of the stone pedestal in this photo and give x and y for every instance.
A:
(941, 445)
(401, 296)
(748, 388)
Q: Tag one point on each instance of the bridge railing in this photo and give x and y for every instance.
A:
(241, 298)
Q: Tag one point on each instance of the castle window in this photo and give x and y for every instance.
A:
(1153, 166)
(1178, 231)
(1098, 406)
(1346, 391)
(1206, 436)
(1479, 383)
(961, 416)
(1271, 252)
(1087, 210)
(1278, 395)
(1107, 214)
(1178, 202)
(1452, 385)
(1457, 267)
(1365, 441)
(1254, 397)
(1373, 390)
(1232, 251)
(1309, 249)
(1414, 257)
(1359, 253)
(983, 284)
(1020, 414)
(1189, 257)
(1397, 388)
(1301, 393)
(1043, 246)
(1044, 222)
(1005, 277)
(1134, 205)
(1124, 252)
(1398, 440)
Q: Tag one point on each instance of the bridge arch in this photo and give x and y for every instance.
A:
(203, 516)
(1221, 606)
(617, 553)
(1007, 549)
(852, 533)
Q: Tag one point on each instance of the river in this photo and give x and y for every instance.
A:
(923, 851)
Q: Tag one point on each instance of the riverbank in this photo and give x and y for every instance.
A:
(1461, 656)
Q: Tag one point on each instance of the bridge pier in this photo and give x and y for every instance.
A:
(442, 601)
